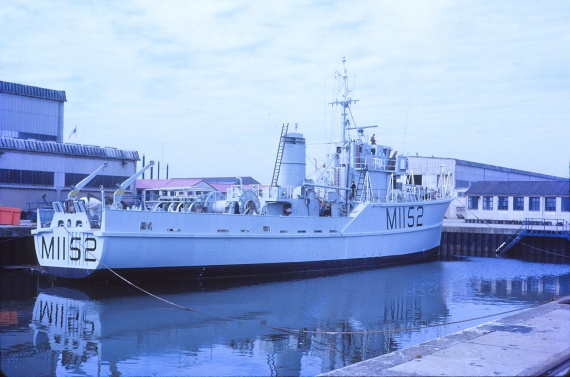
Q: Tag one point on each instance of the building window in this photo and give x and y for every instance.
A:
(534, 203)
(518, 203)
(488, 203)
(26, 177)
(504, 203)
(27, 135)
(473, 202)
(550, 204)
(565, 204)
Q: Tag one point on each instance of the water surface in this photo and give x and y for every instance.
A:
(293, 326)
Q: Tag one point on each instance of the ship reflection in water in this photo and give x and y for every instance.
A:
(293, 327)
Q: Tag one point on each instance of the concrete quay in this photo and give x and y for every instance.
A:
(533, 342)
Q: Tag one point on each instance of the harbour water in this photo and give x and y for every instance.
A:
(294, 326)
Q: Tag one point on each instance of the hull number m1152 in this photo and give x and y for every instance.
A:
(55, 248)
(404, 217)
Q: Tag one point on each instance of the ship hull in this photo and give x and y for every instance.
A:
(229, 271)
(161, 244)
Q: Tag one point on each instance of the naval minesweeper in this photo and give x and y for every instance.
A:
(366, 213)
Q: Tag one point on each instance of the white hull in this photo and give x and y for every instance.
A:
(221, 244)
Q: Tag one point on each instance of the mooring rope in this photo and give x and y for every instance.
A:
(544, 251)
(296, 331)
(410, 328)
(14, 238)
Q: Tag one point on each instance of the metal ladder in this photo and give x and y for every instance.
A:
(511, 241)
(279, 157)
(360, 184)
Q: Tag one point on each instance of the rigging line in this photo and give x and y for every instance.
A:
(406, 127)
(326, 143)
(352, 117)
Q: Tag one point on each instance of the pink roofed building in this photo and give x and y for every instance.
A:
(221, 184)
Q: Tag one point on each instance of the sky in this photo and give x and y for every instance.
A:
(205, 86)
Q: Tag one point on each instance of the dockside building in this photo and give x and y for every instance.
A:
(36, 165)
(514, 202)
(462, 175)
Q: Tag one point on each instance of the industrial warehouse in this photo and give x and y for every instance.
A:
(36, 166)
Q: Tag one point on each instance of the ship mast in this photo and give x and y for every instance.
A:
(345, 102)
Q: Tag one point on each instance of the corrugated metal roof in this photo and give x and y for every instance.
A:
(521, 188)
(32, 91)
(65, 148)
(503, 169)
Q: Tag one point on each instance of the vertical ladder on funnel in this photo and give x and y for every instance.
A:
(279, 157)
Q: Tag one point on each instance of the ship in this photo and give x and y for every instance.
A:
(365, 211)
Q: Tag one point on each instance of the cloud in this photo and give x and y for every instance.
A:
(206, 86)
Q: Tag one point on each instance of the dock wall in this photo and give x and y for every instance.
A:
(17, 246)
(464, 239)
